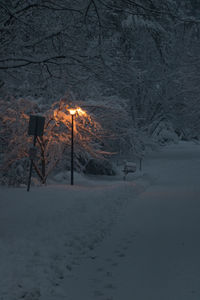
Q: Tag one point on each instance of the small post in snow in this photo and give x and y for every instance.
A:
(129, 167)
(140, 163)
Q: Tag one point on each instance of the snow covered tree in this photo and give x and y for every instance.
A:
(53, 146)
(139, 54)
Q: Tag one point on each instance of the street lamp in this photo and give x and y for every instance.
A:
(72, 113)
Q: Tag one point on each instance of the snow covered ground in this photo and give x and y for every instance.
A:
(106, 239)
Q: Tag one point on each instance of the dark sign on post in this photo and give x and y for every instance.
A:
(36, 125)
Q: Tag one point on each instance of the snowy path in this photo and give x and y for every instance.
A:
(154, 253)
(106, 240)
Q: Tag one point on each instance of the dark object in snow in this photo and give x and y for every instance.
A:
(99, 167)
(129, 167)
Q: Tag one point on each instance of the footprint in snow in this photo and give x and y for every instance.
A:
(114, 264)
(108, 259)
(121, 255)
(69, 268)
(98, 294)
(125, 247)
(100, 269)
(31, 295)
(109, 286)
(109, 274)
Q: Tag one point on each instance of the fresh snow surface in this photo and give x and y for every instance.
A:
(105, 238)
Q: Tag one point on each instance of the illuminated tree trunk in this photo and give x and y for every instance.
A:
(42, 173)
(43, 161)
(43, 167)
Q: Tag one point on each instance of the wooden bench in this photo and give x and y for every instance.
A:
(129, 167)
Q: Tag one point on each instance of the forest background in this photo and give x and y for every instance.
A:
(133, 66)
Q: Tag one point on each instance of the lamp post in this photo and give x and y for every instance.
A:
(72, 113)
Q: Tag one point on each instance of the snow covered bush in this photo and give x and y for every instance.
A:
(128, 129)
(14, 139)
(164, 133)
(53, 146)
(99, 167)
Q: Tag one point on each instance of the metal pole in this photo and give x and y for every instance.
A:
(31, 165)
(72, 151)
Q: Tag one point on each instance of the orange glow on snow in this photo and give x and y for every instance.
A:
(81, 112)
(77, 110)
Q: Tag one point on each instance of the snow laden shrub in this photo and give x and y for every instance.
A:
(14, 140)
(164, 133)
(123, 136)
(89, 135)
(53, 148)
(99, 167)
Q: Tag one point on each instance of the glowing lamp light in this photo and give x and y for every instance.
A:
(72, 111)
(77, 110)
